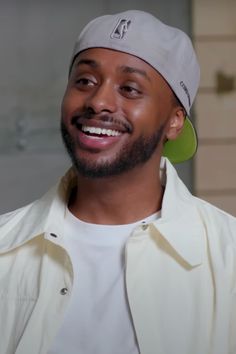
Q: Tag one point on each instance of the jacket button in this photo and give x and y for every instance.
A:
(53, 235)
(64, 291)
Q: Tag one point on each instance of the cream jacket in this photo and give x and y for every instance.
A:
(180, 275)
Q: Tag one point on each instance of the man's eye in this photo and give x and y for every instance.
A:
(130, 91)
(84, 82)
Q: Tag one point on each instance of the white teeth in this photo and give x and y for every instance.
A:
(99, 131)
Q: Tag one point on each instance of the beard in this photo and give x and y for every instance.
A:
(130, 156)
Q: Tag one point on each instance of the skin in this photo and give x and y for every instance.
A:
(107, 82)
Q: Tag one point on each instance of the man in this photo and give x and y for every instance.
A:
(120, 257)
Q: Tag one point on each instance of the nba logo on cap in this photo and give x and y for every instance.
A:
(121, 29)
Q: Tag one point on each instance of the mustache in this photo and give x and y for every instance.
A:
(81, 117)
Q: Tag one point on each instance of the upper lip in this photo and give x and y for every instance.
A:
(103, 123)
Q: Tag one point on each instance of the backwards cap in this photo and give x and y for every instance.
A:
(167, 49)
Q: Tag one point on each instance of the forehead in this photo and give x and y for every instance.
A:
(100, 57)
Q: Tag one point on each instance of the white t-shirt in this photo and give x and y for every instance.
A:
(98, 319)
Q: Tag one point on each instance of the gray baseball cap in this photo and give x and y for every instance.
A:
(167, 49)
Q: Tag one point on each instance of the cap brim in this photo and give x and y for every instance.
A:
(184, 147)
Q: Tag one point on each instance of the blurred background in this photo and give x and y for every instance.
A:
(36, 41)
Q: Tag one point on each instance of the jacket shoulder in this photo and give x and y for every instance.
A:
(215, 217)
(213, 209)
(14, 216)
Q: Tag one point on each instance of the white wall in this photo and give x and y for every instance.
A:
(215, 40)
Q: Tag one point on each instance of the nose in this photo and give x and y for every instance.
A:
(102, 99)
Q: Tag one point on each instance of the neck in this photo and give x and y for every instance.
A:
(121, 199)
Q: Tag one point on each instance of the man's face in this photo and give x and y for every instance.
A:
(115, 113)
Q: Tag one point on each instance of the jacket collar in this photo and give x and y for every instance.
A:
(180, 222)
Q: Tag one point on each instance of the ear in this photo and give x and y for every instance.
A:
(176, 123)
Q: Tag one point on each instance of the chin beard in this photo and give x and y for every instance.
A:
(130, 156)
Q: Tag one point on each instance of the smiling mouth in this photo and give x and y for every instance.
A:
(99, 132)
(102, 127)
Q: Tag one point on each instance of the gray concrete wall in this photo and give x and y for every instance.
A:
(36, 40)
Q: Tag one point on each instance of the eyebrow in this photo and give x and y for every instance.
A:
(89, 62)
(133, 70)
